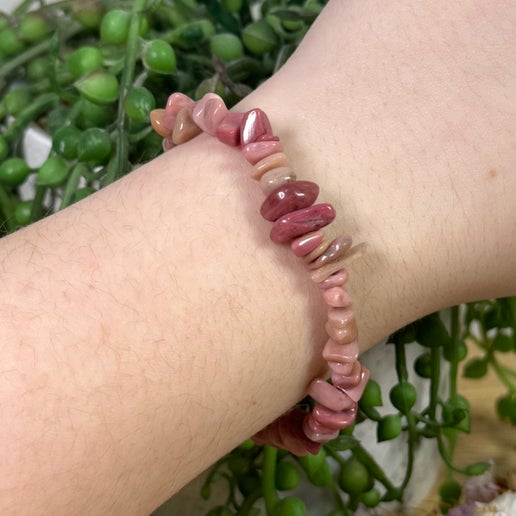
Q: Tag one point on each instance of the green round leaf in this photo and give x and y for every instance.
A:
(22, 213)
(53, 172)
(84, 60)
(259, 37)
(450, 491)
(227, 46)
(99, 87)
(159, 57)
(475, 368)
(14, 171)
(372, 396)
(139, 103)
(94, 145)
(355, 478)
(287, 476)
(114, 27)
(33, 27)
(389, 427)
(403, 396)
(65, 141)
(289, 506)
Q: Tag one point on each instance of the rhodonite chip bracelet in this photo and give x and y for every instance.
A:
(290, 206)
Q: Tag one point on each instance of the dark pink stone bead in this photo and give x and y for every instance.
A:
(334, 420)
(305, 244)
(228, 131)
(300, 222)
(254, 125)
(287, 198)
(267, 138)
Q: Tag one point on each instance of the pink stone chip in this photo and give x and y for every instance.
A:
(317, 432)
(175, 103)
(338, 248)
(209, 112)
(355, 392)
(287, 198)
(307, 243)
(254, 124)
(228, 131)
(340, 317)
(267, 138)
(167, 144)
(156, 120)
(184, 128)
(337, 297)
(348, 380)
(329, 396)
(301, 222)
(342, 368)
(254, 152)
(343, 353)
(275, 178)
(335, 420)
(338, 279)
(344, 335)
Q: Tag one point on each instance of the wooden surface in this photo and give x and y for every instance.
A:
(489, 437)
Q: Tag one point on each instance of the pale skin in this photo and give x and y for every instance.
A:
(151, 328)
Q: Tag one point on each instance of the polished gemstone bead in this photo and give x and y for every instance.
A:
(254, 124)
(342, 368)
(267, 138)
(301, 222)
(286, 432)
(350, 379)
(335, 352)
(275, 160)
(355, 392)
(340, 317)
(228, 131)
(156, 119)
(318, 250)
(338, 279)
(329, 396)
(167, 144)
(209, 112)
(318, 432)
(343, 335)
(175, 103)
(320, 274)
(335, 420)
(275, 178)
(337, 297)
(254, 152)
(307, 243)
(338, 248)
(287, 198)
(184, 128)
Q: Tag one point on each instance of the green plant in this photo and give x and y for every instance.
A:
(93, 71)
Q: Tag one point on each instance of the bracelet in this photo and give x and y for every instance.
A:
(289, 205)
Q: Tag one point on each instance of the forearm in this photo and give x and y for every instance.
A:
(154, 326)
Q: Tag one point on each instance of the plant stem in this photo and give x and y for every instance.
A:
(435, 364)
(132, 47)
(6, 206)
(30, 113)
(37, 203)
(249, 502)
(502, 373)
(34, 51)
(455, 340)
(71, 185)
(268, 478)
(367, 460)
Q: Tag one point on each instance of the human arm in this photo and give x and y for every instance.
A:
(152, 327)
